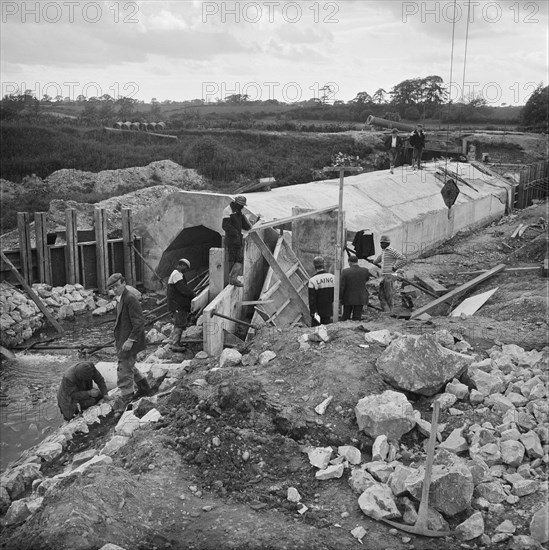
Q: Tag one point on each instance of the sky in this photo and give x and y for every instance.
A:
(288, 51)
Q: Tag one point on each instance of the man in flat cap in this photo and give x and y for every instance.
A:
(352, 290)
(389, 261)
(129, 335)
(179, 298)
(234, 221)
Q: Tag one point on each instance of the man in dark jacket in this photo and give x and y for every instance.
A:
(394, 144)
(179, 298)
(417, 141)
(129, 335)
(76, 392)
(321, 293)
(234, 222)
(353, 292)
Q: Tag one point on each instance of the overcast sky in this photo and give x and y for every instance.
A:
(270, 50)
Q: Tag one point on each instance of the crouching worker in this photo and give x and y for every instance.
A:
(76, 392)
(179, 297)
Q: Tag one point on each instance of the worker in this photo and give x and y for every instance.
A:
(129, 335)
(234, 221)
(321, 293)
(389, 261)
(76, 392)
(394, 144)
(353, 292)
(179, 298)
(417, 141)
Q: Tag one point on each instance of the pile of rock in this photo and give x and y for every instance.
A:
(479, 466)
(20, 316)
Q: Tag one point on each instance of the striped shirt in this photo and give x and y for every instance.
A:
(389, 259)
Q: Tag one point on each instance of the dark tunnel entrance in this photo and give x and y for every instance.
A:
(193, 243)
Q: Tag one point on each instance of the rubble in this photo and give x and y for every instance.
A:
(389, 414)
(419, 364)
(377, 502)
(472, 527)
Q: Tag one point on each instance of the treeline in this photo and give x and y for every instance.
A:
(227, 158)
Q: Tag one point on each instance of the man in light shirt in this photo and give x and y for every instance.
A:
(389, 261)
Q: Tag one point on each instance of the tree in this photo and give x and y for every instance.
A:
(536, 110)
(362, 98)
(379, 96)
(432, 90)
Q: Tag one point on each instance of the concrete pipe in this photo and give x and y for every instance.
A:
(384, 123)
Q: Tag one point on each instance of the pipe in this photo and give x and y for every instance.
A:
(384, 123)
(233, 319)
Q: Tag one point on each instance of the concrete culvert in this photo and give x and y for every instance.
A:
(193, 243)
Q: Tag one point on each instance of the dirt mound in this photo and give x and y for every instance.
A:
(164, 172)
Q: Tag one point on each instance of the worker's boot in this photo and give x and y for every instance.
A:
(120, 403)
(143, 388)
(175, 338)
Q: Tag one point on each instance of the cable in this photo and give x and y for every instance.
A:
(451, 76)
(465, 64)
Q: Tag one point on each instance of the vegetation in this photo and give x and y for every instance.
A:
(535, 114)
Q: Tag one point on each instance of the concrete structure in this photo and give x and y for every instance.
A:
(406, 205)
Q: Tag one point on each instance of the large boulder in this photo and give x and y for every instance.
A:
(377, 502)
(389, 413)
(451, 487)
(419, 364)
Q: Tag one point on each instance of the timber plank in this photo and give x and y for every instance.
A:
(431, 284)
(457, 291)
(472, 304)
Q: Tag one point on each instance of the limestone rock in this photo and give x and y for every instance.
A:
(321, 407)
(397, 480)
(499, 403)
(451, 488)
(389, 413)
(512, 452)
(49, 451)
(455, 442)
(293, 495)
(455, 387)
(84, 456)
(351, 454)
(380, 448)
(111, 546)
(471, 528)
(524, 542)
(360, 480)
(446, 400)
(539, 525)
(115, 443)
(435, 520)
(127, 424)
(380, 470)
(331, 472)
(532, 444)
(266, 356)
(230, 358)
(5, 500)
(492, 491)
(420, 364)
(485, 383)
(377, 502)
(17, 513)
(319, 457)
(382, 337)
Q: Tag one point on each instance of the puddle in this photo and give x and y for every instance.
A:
(28, 401)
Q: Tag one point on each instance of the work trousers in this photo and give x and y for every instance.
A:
(323, 321)
(393, 156)
(179, 325)
(127, 372)
(81, 404)
(352, 312)
(416, 158)
(387, 292)
(236, 263)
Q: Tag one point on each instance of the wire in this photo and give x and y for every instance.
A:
(451, 76)
(465, 64)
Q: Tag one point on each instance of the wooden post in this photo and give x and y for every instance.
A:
(217, 276)
(101, 253)
(25, 250)
(129, 255)
(339, 234)
(42, 250)
(35, 298)
(71, 257)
